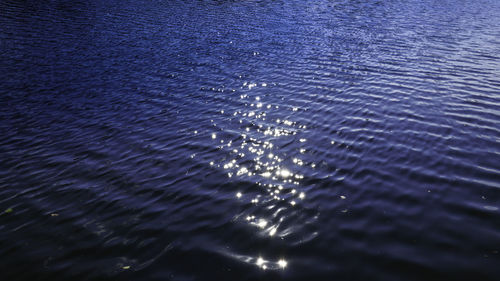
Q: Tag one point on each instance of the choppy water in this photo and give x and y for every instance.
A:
(238, 140)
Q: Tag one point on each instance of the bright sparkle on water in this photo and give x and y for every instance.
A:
(284, 173)
(262, 223)
(282, 263)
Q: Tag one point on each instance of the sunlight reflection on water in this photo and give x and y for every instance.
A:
(252, 156)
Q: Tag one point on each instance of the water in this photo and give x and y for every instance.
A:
(243, 140)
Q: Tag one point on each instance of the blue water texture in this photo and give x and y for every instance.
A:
(250, 140)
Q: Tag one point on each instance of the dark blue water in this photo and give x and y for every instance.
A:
(244, 140)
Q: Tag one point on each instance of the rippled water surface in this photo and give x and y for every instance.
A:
(243, 140)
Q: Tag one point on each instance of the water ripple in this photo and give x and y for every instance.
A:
(230, 140)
